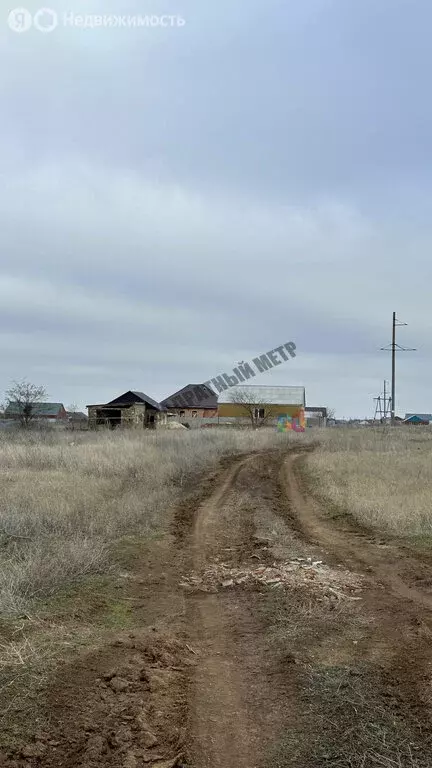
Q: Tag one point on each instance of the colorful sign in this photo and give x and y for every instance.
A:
(291, 423)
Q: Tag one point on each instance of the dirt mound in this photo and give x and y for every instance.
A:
(122, 708)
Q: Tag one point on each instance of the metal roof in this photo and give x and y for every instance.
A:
(195, 391)
(312, 412)
(147, 399)
(422, 416)
(417, 418)
(267, 395)
(38, 409)
(132, 396)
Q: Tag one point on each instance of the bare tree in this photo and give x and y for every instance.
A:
(331, 413)
(253, 405)
(22, 399)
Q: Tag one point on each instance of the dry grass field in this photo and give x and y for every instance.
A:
(160, 591)
(381, 476)
(76, 511)
(67, 497)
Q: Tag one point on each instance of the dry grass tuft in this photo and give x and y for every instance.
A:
(357, 726)
(349, 725)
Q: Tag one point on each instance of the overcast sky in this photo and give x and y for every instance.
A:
(174, 200)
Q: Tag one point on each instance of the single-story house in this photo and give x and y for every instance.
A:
(417, 419)
(131, 409)
(261, 404)
(40, 411)
(194, 404)
(316, 416)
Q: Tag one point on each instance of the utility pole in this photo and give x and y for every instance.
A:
(393, 378)
(395, 348)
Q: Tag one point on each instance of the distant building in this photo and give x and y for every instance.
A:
(76, 416)
(77, 420)
(195, 404)
(132, 409)
(269, 403)
(51, 412)
(417, 419)
(315, 416)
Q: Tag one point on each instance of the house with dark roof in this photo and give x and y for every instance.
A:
(194, 404)
(40, 411)
(131, 409)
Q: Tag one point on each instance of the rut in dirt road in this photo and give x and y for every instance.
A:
(396, 642)
(397, 570)
(223, 730)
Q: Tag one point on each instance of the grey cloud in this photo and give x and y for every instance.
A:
(172, 203)
(328, 96)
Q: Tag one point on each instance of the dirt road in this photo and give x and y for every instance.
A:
(220, 725)
(279, 637)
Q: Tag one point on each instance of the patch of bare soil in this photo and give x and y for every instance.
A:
(223, 727)
(121, 706)
(241, 696)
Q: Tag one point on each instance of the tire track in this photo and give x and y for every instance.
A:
(222, 733)
(384, 565)
(399, 617)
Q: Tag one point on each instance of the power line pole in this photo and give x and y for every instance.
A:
(395, 348)
(393, 378)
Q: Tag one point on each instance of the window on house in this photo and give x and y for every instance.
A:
(259, 413)
(182, 413)
(194, 414)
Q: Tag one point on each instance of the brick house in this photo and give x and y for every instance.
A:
(195, 404)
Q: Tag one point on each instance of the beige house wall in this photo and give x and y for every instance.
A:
(238, 411)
